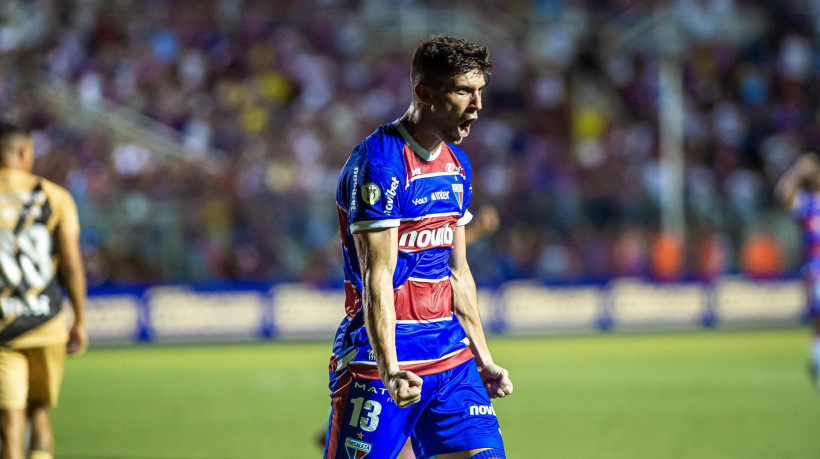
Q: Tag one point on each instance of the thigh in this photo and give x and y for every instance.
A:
(460, 416)
(365, 421)
(13, 379)
(45, 373)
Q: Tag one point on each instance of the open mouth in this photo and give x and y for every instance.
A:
(464, 127)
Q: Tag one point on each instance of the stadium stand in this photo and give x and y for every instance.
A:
(202, 144)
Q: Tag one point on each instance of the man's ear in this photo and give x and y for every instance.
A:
(423, 93)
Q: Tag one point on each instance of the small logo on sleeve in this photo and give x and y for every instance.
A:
(371, 193)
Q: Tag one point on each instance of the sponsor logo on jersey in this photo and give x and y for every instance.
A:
(391, 193)
(458, 190)
(370, 389)
(371, 193)
(439, 195)
(452, 167)
(420, 201)
(355, 189)
(420, 239)
(30, 306)
(357, 449)
(478, 410)
(415, 171)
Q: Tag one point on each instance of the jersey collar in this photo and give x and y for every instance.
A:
(417, 149)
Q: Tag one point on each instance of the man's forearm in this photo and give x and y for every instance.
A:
(380, 321)
(465, 302)
(377, 257)
(73, 274)
(75, 284)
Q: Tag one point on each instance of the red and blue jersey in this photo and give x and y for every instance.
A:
(390, 181)
(807, 211)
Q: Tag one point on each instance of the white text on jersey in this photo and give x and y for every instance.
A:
(476, 410)
(391, 193)
(427, 238)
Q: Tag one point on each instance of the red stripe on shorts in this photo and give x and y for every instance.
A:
(338, 404)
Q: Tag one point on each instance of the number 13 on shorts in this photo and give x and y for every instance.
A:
(365, 414)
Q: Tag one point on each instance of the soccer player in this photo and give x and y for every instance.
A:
(39, 252)
(410, 357)
(799, 190)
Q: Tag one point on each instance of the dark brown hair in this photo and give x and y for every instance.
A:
(443, 56)
(9, 134)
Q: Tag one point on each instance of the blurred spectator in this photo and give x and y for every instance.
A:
(265, 101)
(762, 257)
(667, 257)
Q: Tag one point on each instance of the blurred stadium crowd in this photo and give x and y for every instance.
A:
(270, 97)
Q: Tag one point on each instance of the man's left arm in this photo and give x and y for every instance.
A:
(465, 304)
(72, 275)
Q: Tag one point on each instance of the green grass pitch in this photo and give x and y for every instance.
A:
(709, 394)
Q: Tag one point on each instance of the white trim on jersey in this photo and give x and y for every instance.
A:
(422, 321)
(343, 361)
(433, 174)
(429, 281)
(409, 362)
(374, 224)
(423, 217)
(467, 218)
(422, 152)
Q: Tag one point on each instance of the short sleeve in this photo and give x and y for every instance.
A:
(376, 194)
(466, 216)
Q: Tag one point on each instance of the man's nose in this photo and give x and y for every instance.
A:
(475, 101)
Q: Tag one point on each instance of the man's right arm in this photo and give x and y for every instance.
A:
(792, 180)
(378, 252)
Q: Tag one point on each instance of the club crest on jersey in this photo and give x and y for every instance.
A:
(458, 190)
(357, 449)
(371, 193)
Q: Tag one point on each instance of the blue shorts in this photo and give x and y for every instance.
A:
(454, 414)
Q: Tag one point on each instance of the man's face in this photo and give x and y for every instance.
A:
(456, 104)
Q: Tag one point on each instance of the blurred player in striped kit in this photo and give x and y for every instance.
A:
(799, 190)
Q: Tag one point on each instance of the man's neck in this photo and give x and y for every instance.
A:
(413, 121)
(421, 152)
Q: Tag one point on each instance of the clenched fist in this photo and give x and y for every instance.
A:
(404, 387)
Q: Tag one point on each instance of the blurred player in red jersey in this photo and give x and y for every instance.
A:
(799, 190)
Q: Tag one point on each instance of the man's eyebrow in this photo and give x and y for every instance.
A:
(465, 87)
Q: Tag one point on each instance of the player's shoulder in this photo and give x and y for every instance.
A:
(462, 158)
(380, 151)
(57, 196)
(52, 189)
